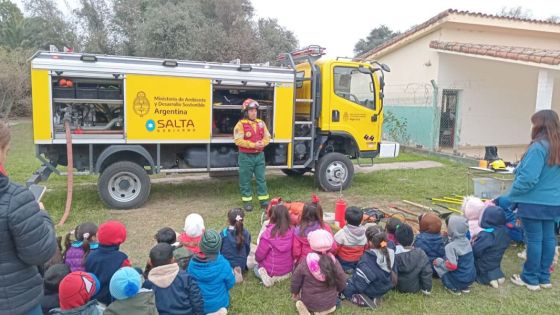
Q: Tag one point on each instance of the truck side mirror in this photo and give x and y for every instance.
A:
(364, 70)
(385, 67)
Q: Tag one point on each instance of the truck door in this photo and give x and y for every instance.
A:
(353, 106)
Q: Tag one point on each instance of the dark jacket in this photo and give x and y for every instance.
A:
(49, 301)
(91, 308)
(176, 292)
(314, 293)
(215, 278)
(415, 271)
(143, 303)
(27, 240)
(104, 262)
(490, 245)
(431, 243)
(372, 276)
(237, 257)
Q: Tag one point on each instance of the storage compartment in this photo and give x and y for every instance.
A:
(220, 156)
(109, 93)
(489, 188)
(276, 154)
(64, 92)
(389, 150)
(86, 92)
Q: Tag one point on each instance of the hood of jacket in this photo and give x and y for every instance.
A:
(473, 208)
(90, 308)
(163, 276)
(457, 227)
(381, 259)
(282, 243)
(492, 217)
(207, 269)
(409, 260)
(355, 234)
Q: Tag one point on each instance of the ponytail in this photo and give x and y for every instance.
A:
(235, 218)
(378, 239)
(328, 268)
(67, 244)
(394, 278)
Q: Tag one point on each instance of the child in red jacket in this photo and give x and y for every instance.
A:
(351, 241)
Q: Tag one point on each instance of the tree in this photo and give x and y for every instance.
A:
(48, 26)
(15, 92)
(376, 37)
(516, 12)
(95, 19)
(274, 39)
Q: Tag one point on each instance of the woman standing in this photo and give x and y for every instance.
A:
(27, 240)
(536, 194)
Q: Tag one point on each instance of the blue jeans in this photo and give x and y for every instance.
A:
(35, 311)
(541, 245)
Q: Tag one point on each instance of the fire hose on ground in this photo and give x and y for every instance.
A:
(70, 178)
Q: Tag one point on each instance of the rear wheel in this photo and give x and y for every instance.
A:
(124, 185)
(333, 171)
(294, 171)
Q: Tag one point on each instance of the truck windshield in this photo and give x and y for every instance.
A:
(355, 86)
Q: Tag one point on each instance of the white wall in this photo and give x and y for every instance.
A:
(496, 100)
(556, 93)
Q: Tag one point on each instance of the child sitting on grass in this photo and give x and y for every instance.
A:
(351, 240)
(176, 292)
(319, 278)
(311, 220)
(213, 274)
(274, 251)
(489, 247)
(130, 298)
(375, 273)
(429, 239)
(473, 208)
(192, 233)
(457, 270)
(236, 243)
(390, 229)
(181, 254)
(76, 252)
(75, 292)
(53, 277)
(107, 259)
(413, 266)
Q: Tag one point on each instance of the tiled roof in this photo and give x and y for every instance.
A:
(443, 15)
(545, 56)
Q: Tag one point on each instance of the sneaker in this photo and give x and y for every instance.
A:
(546, 285)
(238, 275)
(466, 291)
(301, 308)
(457, 293)
(372, 303)
(501, 281)
(516, 279)
(247, 206)
(265, 278)
(494, 284)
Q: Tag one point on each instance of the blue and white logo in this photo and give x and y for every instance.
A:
(150, 125)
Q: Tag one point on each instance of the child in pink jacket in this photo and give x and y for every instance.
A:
(274, 251)
(473, 208)
(311, 220)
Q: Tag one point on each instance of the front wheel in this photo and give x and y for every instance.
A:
(333, 171)
(124, 185)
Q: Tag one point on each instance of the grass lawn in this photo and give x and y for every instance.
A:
(170, 203)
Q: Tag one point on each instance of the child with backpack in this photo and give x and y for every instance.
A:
(236, 243)
(311, 220)
(76, 251)
(489, 247)
(351, 240)
(107, 259)
(319, 279)
(130, 298)
(429, 239)
(212, 273)
(457, 270)
(375, 273)
(413, 266)
(274, 250)
(176, 292)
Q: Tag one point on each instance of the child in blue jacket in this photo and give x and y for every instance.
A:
(236, 243)
(429, 239)
(457, 270)
(489, 247)
(213, 273)
(176, 292)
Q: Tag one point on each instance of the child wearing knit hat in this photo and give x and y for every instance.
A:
(53, 277)
(192, 233)
(213, 274)
(130, 298)
(429, 239)
(175, 291)
(319, 278)
(413, 266)
(107, 259)
(76, 291)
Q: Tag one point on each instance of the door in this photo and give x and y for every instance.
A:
(353, 106)
(448, 118)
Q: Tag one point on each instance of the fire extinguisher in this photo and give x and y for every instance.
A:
(340, 212)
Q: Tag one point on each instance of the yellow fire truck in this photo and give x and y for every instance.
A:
(125, 118)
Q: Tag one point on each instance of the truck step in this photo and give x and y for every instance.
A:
(304, 100)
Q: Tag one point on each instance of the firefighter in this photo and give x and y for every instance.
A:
(251, 137)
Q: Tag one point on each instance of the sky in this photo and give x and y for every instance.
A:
(338, 24)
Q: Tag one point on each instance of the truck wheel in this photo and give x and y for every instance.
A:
(124, 185)
(294, 172)
(334, 170)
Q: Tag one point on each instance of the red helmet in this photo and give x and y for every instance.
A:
(249, 104)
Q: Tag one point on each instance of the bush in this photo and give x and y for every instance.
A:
(395, 129)
(15, 85)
